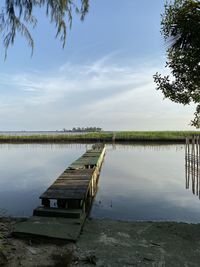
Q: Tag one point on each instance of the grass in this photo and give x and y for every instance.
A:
(118, 136)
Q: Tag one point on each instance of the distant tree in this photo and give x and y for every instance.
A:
(181, 30)
(87, 129)
(17, 15)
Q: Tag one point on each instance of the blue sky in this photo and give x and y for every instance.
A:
(102, 78)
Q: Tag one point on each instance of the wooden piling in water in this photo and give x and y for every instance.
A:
(192, 163)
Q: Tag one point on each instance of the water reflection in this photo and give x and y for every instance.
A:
(158, 146)
(27, 170)
(137, 181)
(140, 182)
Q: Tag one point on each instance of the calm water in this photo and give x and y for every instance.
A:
(22, 133)
(137, 182)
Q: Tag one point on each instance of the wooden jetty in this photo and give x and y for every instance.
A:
(66, 203)
(192, 164)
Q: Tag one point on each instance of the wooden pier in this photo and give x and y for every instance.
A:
(192, 164)
(66, 203)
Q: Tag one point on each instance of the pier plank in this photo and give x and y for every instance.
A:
(64, 194)
(51, 227)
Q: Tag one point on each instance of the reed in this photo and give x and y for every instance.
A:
(117, 136)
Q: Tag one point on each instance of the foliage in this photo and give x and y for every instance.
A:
(17, 15)
(86, 129)
(181, 30)
(83, 129)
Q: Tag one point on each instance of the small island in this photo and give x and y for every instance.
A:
(83, 129)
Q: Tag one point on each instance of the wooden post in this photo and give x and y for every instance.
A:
(197, 166)
(113, 137)
(46, 202)
(186, 163)
(192, 166)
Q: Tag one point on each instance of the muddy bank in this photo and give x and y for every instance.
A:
(107, 243)
(113, 243)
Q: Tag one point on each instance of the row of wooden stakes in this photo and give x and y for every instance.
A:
(192, 164)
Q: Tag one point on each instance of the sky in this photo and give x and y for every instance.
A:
(103, 77)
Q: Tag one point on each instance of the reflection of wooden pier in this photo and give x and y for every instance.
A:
(67, 201)
(192, 164)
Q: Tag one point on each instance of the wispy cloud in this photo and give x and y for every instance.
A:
(101, 93)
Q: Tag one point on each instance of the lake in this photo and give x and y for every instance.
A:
(137, 182)
(32, 133)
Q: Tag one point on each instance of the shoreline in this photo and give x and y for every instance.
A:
(92, 141)
(106, 243)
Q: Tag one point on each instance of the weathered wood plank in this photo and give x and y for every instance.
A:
(64, 194)
(56, 212)
(74, 178)
(70, 182)
(52, 227)
(78, 172)
(70, 187)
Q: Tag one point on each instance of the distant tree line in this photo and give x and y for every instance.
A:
(84, 129)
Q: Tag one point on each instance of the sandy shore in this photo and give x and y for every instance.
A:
(107, 243)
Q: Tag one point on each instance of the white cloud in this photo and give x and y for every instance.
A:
(102, 93)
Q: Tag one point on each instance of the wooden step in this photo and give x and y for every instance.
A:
(56, 212)
(51, 227)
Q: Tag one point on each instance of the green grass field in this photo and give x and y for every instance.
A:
(118, 136)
